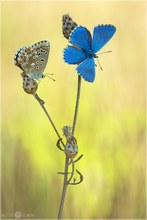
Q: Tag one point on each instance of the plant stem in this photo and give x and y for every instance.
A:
(72, 172)
(41, 102)
(77, 105)
(65, 183)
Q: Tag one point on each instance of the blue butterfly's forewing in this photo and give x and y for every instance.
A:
(81, 37)
(73, 55)
(101, 35)
(86, 69)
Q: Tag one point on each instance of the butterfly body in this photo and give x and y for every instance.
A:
(84, 48)
(37, 76)
(33, 59)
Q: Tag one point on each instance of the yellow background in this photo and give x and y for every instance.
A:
(111, 122)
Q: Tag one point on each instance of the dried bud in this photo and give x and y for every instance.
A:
(67, 25)
(71, 148)
(29, 85)
(67, 131)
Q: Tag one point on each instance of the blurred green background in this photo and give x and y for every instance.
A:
(111, 122)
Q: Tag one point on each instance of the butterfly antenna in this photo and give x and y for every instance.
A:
(98, 59)
(51, 78)
(99, 63)
(47, 74)
(109, 51)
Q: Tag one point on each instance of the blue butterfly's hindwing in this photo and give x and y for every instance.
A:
(86, 69)
(81, 37)
(73, 55)
(101, 35)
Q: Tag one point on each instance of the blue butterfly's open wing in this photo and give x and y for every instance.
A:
(101, 35)
(73, 55)
(86, 69)
(81, 37)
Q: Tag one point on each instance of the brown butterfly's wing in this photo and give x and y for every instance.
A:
(33, 59)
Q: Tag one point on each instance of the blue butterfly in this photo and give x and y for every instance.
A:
(84, 48)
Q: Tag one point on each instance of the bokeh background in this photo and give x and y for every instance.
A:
(111, 122)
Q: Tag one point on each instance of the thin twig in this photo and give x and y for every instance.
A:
(77, 105)
(81, 179)
(41, 102)
(65, 183)
(72, 172)
(78, 158)
(58, 144)
(63, 173)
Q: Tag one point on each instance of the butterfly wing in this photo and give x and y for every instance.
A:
(42, 53)
(18, 57)
(101, 35)
(81, 37)
(86, 69)
(73, 55)
(33, 59)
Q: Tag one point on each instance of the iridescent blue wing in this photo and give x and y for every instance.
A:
(73, 55)
(81, 37)
(86, 69)
(101, 35)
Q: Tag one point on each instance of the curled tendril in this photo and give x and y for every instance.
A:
(74, 179)
(58, 144)
(71, 150)
(77, 159)
(72, 162)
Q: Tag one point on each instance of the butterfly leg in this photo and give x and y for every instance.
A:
(99, 63)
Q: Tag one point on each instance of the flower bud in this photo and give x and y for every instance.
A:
(67, 25)
(29, 85)
(71, 148)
